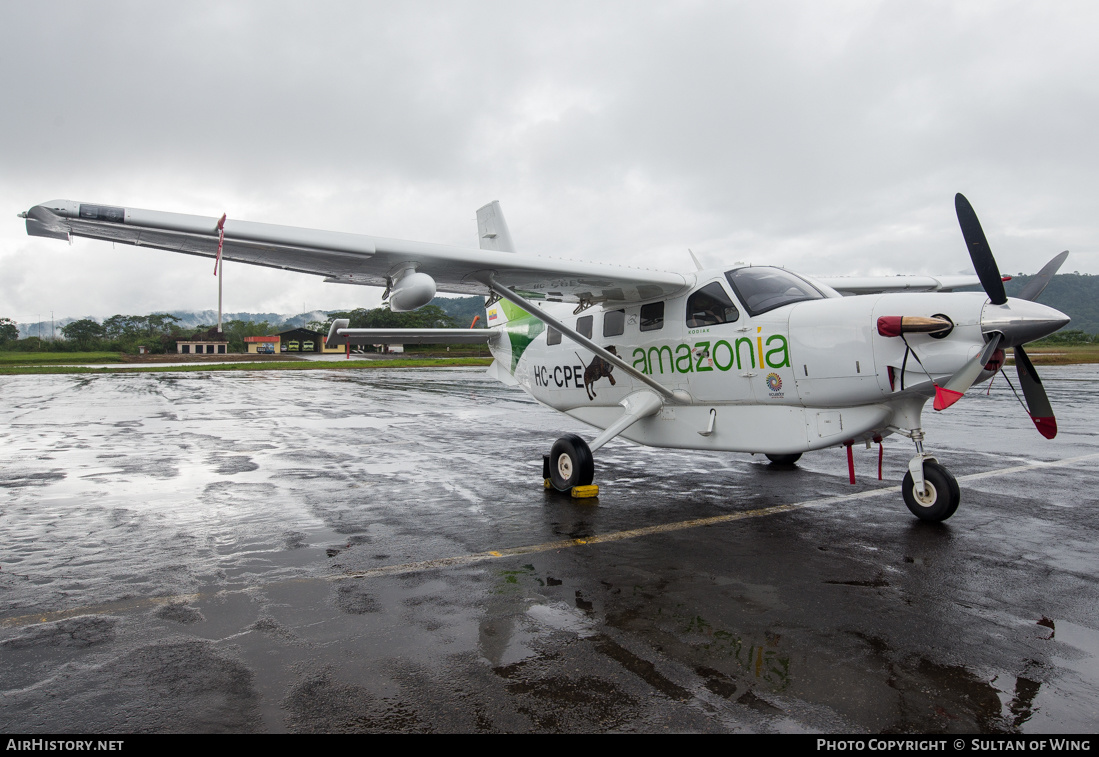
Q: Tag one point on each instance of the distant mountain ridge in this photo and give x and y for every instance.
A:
(1074, 294)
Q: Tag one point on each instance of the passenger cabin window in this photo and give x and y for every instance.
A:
(710, 306)
(652, 316)
(583, 325)
(553, 336)
(614, 322)
(764, 288)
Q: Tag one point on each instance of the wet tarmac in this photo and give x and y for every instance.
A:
(356, 551)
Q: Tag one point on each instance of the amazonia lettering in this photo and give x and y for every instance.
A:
(722, 355)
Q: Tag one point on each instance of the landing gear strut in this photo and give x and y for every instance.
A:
(930, 490)
(570, 466)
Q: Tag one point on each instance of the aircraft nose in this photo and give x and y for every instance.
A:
(1021, 321)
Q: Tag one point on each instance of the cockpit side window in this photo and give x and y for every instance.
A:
(710, 306)
(765, 288)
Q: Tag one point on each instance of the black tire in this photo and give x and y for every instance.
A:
(570, 463)
(784, 459)
(942, 498)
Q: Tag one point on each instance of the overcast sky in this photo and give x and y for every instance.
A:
(827, 137)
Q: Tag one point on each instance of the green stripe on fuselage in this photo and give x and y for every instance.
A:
(522, 328)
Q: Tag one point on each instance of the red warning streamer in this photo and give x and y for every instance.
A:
(221, 241)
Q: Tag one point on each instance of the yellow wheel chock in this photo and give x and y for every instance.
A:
(577, 492)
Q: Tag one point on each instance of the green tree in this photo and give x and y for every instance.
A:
(9, 331)
(235, 331)
(85, 333)
(463, 309)
(1073, 336)
(126, 332)
(159, 323)
(427, 317)
(31, 344)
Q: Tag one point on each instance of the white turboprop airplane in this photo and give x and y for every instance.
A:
(750, 359)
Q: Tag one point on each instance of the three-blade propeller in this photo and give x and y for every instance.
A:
(1037, 402)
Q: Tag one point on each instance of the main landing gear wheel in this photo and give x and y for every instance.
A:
(784, 459)
(570, 463)
(941, 498)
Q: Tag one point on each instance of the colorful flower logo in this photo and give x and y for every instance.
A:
(774, 382)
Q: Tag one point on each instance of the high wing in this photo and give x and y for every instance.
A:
(353, 258)
(851, 285)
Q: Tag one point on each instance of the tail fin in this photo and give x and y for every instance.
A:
(492, 229)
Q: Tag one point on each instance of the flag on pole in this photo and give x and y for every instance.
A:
(221, 241)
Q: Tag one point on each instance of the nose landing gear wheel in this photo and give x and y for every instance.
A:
(784, 459)
(570, 463)
(941, 497)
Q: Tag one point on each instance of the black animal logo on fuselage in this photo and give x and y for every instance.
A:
(597, 370)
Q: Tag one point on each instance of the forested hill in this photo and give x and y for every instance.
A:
(463, 309)
(1074, 294)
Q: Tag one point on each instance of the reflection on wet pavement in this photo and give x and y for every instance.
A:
(223, 552)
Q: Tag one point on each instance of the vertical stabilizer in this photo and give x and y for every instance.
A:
(492, 229)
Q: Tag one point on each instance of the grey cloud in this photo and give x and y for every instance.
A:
(827, 137)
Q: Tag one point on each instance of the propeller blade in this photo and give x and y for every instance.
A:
(979, 251)
(1041, 280)
(952, 391)
(1041, 412)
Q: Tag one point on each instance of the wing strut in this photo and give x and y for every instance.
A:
(640, 404)
(677, 395)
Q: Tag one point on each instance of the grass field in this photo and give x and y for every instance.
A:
(1061, 354)
(53, 358)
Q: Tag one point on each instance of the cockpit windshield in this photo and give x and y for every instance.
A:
(764, 288)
